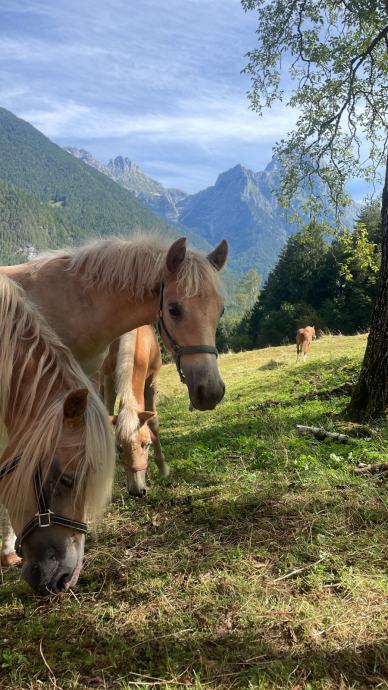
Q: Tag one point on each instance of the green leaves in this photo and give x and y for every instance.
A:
(336, 56)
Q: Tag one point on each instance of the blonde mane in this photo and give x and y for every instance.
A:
(136, 266)
(25, 338)
(127, 420)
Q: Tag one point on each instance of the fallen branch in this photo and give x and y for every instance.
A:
(321, 434)
(297, 571)
(373, 468)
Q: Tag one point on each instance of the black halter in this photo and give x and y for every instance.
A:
(179, 350)
(44, 517)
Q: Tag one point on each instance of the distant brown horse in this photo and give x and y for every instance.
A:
(130, 372)
(304, 336)
(94, 294)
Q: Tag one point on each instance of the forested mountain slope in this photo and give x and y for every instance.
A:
(80, 195)
(28, 226)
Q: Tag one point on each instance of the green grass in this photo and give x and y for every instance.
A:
(259, 564)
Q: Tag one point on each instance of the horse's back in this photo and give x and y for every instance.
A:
(305, 333)
(300, 335)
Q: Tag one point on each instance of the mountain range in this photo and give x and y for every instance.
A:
(241, 206)
(51, 197)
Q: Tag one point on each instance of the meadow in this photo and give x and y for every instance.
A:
(260, 563)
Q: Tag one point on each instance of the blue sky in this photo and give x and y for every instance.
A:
(158, 81)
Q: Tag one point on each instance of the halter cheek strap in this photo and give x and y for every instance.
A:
(44, 517)
(179, 350)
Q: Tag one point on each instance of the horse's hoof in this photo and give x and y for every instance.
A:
(10, 559)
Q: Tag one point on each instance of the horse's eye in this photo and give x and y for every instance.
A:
(175, 311)
(67, 481)
(145, 445)
(119, 448)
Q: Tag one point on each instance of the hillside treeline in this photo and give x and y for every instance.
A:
(27, 226)
(318, 280)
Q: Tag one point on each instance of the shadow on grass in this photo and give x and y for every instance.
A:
(194, 655)
(134, 613)
(168, 584)
(272, 364)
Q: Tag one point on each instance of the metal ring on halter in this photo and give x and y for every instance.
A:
(44, 517)
(179, 350)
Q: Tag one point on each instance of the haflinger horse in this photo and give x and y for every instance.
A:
(304, 337)
(94, 294)
(130, 373)
(57, 464)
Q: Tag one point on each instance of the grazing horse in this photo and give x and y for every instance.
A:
(130, 372)
(304, 336)
(94, 294)
(58, 455)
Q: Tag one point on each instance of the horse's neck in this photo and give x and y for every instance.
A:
(87, 320)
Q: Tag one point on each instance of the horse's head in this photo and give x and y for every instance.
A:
(61, 489)
(191, 306)
(133, 452)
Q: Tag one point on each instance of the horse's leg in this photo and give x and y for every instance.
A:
(109, 393)
(305, 350)
(8, 554)
(150, 404)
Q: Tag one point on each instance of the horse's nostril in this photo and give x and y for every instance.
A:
(60, 584)
(138, 493)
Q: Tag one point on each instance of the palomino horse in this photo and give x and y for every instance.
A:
(304, 336)
(58, 462)
(130, 372)
(93, 295)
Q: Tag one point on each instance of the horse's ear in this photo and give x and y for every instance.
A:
(145, 417)
(113, 419)
(175, 255)
(74, 406)
(219, 255)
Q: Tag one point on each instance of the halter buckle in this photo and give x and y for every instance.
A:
(44, 519)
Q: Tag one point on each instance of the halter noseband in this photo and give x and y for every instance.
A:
(44, 517)
(133, 469)
(179, 350)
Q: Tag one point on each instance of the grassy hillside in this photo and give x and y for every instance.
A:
(80, 195)
(259, 564)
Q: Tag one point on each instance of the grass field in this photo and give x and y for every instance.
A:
(259, 564)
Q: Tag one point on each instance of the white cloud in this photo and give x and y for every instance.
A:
(202, 122)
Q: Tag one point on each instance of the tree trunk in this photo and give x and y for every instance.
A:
(370, 394)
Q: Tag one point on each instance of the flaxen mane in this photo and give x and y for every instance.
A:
(136, 266)
(127, 420)
(25, 337)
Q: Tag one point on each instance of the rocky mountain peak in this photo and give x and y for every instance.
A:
(238, 175)
(123, 165)
(85, 156)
